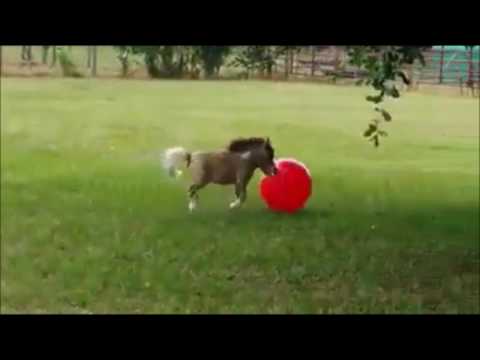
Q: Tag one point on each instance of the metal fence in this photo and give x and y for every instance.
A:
(450, 65)
(101, 61)
(443, 65)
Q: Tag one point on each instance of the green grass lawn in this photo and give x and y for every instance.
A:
(91, 224)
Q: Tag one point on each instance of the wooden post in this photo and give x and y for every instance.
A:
(313, 61)
(478, 73)
(337, 58)
(94, 61)
(442, 52)
(470, 66)
(89, 56)
(478, 69)
(291, 61)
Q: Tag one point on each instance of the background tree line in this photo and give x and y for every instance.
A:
(191, 61)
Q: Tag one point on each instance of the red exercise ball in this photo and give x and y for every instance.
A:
(289, 189)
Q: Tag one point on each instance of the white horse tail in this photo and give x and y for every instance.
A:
(174, 158)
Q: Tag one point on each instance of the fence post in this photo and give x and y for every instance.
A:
(94, 61)
(286, 64)
(313, 61)
(89, 56)
(442, 51)
(478, 71)
(336, 52)
(291, 61)
(470, 66)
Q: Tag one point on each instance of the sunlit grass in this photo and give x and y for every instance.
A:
(90, 223)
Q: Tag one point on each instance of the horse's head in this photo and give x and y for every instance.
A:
(264, 158)
(260, 153)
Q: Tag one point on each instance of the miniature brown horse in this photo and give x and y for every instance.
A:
(234, 165)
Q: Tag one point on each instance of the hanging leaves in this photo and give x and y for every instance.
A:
(384, 65)
(385, 114)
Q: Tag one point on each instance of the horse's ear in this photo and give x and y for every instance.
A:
(267, 141)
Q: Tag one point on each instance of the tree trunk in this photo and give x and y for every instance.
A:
(94, 61)
(410, 72)
(27, 53)
(54, 56)
(269, 70)
(337, 58)
(124, 61)
(209, 71)
(181, 65)
(269, 63)
(151, 64)
(45, 49)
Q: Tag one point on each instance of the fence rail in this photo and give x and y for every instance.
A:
(443, 66)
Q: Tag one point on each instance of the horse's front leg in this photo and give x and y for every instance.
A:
(241, 194)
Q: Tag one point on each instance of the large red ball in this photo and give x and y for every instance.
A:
(289, 189)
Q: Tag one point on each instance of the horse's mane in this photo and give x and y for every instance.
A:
(241, 144)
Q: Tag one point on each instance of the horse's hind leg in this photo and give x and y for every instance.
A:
(193, 195)
(199, 180)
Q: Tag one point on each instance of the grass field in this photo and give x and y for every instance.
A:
(91, 224)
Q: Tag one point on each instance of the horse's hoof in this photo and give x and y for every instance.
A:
(192, 206)
(235, 204)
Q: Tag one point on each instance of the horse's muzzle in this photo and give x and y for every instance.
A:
(269, 170)
(272, 171)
